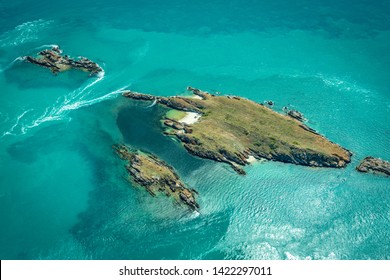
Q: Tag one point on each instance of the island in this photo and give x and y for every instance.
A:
(156, 176)
(238, 131)
(374, 165)
(56, 62)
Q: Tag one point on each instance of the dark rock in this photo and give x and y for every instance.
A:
(198, 92)
(156, 176)
(138, 96)
(375, 165)
(53, 60)
(295, 114)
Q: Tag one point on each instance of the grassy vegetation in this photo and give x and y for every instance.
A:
(232, 128)
(235, 125)
(151, 167)
(175, 114)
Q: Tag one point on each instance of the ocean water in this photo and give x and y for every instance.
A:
(64, 193)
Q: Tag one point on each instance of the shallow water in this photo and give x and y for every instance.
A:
(63, 192)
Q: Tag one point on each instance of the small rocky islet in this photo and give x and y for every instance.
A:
(56, 62)
(232, 129)
(156, 176)
(374, 165)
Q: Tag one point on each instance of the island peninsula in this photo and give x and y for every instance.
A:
(236, 130)
(156, 176)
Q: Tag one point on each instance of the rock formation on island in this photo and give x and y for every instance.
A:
(56, 62)
(374, 165)
(156, 176)
(232, 129)
(294, 114)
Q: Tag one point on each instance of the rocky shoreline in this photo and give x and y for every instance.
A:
(56, 62)
(224, 137)
(374, 165)
(156, 176)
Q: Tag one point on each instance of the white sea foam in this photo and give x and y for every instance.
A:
(342, 85)
(76, 99)
(46, 47)
(20, 58)
(151, 105)
(17, 120)
(24, 33)
(70, 103)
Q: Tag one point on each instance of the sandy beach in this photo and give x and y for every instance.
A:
(190, 118)
(251, 159)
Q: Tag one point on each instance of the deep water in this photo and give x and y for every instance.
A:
(64, 193)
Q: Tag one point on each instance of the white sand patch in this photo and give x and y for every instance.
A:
(190, 118)
(251, 159)
(196, 97)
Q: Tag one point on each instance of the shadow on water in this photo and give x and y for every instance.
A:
(142, 129)
(43, 141)
(28, 76)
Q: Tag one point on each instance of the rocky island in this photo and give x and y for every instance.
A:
(156, 176)
(56, 62)
(236, 131)
(375, 165)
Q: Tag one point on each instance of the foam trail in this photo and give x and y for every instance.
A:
(10, 131)
(46, 46)
(151, 105)
(59, 113)
(77, 93)
(100, 76)
(80, 104)
(19, 58)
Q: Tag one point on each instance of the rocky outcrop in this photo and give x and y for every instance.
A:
(56, 62)
(138, 96)
(375, 165)
(294, 114)
(156, 176)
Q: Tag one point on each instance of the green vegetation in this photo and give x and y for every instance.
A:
(175, 114)
(233, 128)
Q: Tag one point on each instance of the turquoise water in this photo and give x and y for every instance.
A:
(62, 189)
